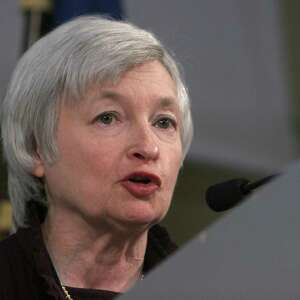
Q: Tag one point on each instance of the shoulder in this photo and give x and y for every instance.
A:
(159, 238)
(10, 253)
(159, 247)
(9, 258)
(14, 266)
(13, 254)
(24, 268)
(8, 248)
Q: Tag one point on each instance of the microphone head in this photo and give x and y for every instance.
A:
(225, 195)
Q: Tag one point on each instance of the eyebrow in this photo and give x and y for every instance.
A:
(165, 102)
(110, 95)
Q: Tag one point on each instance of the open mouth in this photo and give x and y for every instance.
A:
(144, 178)
(140, 179)
(141, 184)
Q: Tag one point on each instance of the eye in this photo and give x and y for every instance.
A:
(107, 118)
(165, 123)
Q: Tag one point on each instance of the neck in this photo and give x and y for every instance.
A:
(85, 257)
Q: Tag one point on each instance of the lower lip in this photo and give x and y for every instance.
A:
(140, 190)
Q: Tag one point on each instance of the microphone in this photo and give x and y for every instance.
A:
(225, 195)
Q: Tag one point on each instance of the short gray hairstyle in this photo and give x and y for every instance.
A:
(84, 51)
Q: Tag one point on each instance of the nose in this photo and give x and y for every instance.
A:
(143, 145)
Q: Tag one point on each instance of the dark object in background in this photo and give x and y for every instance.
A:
(38, 20)
(65, 10)
(41, 16)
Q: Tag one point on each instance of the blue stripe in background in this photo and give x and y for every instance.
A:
(68, 9)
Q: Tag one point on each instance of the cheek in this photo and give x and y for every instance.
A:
(82, 153)
(175, 159)
(173, 167)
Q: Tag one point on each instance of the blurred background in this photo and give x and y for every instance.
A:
(241, 64)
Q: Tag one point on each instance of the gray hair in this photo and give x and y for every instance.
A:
(63, 64)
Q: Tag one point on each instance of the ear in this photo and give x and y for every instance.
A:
(39, 167)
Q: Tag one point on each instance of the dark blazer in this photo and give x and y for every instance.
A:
(27, 273)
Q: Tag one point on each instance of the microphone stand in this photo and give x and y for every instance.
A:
(249, 187)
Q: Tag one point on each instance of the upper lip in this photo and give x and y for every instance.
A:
(153, 177)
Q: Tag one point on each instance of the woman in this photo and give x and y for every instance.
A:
(95, 126)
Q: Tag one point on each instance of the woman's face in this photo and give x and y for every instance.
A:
(119, 150)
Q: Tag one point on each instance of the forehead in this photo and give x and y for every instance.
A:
(148, 81)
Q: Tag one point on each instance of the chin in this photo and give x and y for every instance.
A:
(144, 218)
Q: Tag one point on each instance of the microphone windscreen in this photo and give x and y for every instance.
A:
(225, 195)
